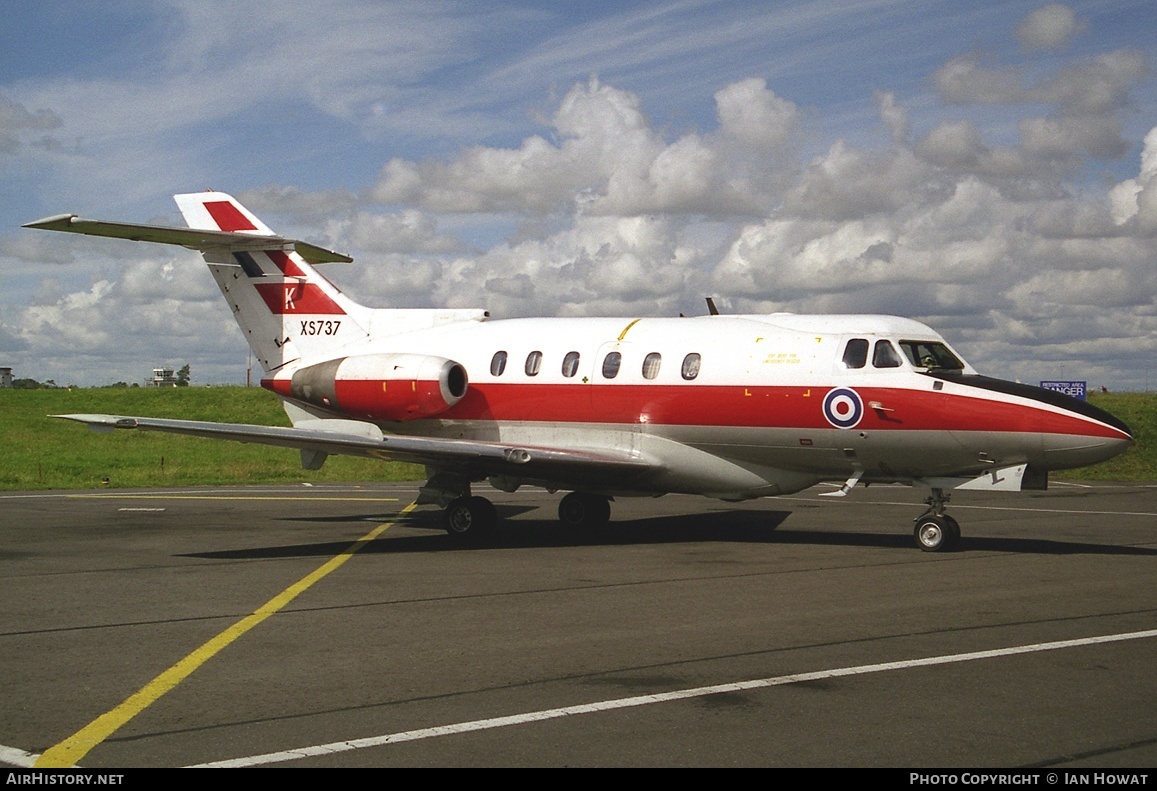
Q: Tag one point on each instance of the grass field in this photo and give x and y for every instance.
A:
(1139, 463)
(41, 453)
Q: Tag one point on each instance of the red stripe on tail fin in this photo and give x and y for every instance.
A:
(287, 299)
(228, 217)
(284, 263)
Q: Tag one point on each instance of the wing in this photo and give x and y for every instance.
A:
(193, 238)
(472, 458)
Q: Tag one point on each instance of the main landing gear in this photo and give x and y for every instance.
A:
(469, 519)
(935, 530)
(581, 510)
(472, 519)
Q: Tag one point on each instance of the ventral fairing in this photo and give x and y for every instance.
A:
(732, 407)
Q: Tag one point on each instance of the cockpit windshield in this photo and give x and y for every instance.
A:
(931, 354)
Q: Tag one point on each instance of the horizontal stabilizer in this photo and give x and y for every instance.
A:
(192, 238)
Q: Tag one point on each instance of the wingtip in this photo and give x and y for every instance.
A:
(55, 222)
(102, 419)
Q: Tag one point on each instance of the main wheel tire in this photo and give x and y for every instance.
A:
(953, 529)
(936, 533)
(469, 519)
(582, 510)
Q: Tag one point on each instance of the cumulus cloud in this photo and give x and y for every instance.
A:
(848, 183)
(893, 114)
(751, 113)
(1064, 137)
(10, 341)
(1086, 98)
(1097, 85)
(1048, 27)
(600, 265)
(605, 157)
(18, 125)
(1134, 201)
(966, 80)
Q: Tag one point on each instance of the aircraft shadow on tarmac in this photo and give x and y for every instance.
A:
(738, 526)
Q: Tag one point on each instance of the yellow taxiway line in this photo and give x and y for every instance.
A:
(225, 497)
(74, 748)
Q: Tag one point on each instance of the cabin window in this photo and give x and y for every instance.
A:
(690, 366)
(651, 365)
(611, 365)
(856, 353)
(930, 354)
(498, 363)
(885, 355)
(570, 364)
(533, 363)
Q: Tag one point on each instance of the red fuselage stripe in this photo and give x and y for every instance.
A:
(756, 407)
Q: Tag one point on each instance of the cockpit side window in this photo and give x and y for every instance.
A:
(885, 355)
(931, 354)
(856, 353)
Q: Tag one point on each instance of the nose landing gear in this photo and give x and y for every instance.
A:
(935, 530)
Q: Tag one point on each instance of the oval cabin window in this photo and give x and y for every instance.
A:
(690, 366)
(498, 363)
(570, 364)
(533, 363)
(651, 365)
(611, 365)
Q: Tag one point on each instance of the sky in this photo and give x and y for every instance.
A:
(989, 168)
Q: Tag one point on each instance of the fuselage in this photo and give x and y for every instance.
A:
(734, 406)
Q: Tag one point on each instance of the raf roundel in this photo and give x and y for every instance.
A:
(843, 407)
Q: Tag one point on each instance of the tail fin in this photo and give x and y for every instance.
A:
(285, 308)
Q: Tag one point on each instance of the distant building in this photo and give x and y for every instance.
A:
(5, 377)
(163, 377)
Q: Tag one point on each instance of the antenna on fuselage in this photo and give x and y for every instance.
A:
(714, 311)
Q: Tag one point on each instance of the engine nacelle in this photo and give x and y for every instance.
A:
(394, 387)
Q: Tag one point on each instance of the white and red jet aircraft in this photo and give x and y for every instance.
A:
(731, 407)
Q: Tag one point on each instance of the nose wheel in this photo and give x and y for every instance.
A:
(935, 530)
(937, 533)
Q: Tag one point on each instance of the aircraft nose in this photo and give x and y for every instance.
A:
(1071, 432)
(1106, 436)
